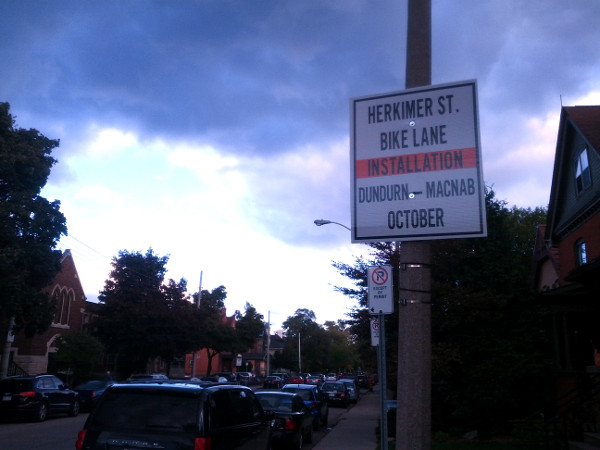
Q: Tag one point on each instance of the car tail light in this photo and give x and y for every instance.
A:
(80, 439)
(27, 394)
(314, 405)
(202, 444)
(343, 394)
(290, 424)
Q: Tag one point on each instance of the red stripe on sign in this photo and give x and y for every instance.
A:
(465, 158)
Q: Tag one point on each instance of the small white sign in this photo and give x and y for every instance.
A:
(374, 332)
(381, 292)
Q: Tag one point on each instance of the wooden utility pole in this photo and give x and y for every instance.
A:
(413, 421)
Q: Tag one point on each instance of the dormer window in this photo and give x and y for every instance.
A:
(583, 178)
(580, 252)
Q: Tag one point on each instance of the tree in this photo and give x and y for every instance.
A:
(30, 227)
(78, 353)
(213, 332)
(248, 328)
(141, 317)
(488, 329)
(304, 334)
(489, 360)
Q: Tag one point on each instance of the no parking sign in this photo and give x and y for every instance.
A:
(381, 293)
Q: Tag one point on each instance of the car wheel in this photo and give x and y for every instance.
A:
(41, 413)
(74, 408)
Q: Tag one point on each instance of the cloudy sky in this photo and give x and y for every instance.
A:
(217, 131)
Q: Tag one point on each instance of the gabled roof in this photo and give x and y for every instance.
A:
(587, 119)
(575, 121)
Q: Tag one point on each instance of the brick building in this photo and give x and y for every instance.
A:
(33, 355)
(567, 253)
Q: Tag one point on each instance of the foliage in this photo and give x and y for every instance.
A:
(488, 332)
(323, 348)
(30, 225)
(140, 317)
(489, 349)
(248, 328)
(212, 331)
(79, 353)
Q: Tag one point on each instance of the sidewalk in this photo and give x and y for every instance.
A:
(356, 428)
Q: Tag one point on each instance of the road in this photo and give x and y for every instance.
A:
(56, 433)
(60, 433)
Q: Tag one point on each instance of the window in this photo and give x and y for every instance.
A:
(582, 172)
(580, 252)
(63, 299)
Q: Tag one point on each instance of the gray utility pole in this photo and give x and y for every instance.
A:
(413, 421)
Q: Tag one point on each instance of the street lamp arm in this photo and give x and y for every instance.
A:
(321, 222)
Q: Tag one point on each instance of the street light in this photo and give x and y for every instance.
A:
(321, 222)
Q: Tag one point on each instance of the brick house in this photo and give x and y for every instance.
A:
(33, 355)
(567, 252)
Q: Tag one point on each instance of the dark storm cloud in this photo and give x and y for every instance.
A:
(524, 53)
(259, 75)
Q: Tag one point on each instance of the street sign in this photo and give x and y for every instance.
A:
(416, 169)
(374, 332)
(381, 294)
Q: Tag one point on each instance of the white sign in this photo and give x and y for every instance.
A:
(381, 292)
(416, 169)
(374, 332)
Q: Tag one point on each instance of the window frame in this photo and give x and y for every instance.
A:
(580, 253)
(583, 175)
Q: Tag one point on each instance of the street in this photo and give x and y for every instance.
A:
(56, 433)
(60, 432)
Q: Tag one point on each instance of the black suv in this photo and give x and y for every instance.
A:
(177, 416)
(35, 397)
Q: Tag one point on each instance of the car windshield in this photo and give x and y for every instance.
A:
(144, 410)
(275, 402)
(306, 395)
(338, 387)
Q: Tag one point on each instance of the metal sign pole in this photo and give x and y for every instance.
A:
(383, 428)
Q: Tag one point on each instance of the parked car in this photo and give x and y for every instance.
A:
(331, 377)
(90, 391)
(336, 393)
(353, 390)
(246, 378)
(36, 397)
(284, 376)
(229, 376)
(293, 424)
(295, 379)
(362, 380)
(177, 415)
(315, 378)
(313, 399)
(273, 382)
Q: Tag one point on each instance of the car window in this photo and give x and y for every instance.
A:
(233, 407)
(305, 394)
(141, 411)
(46, 383)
